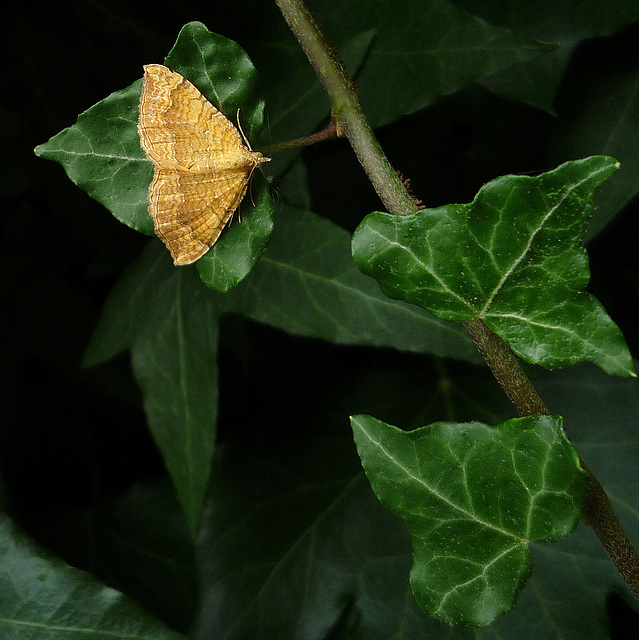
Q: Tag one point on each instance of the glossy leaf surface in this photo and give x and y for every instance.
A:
(513, 257)
(473, 497)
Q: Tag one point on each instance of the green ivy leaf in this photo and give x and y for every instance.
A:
(307, 284)
(170, 324)
(42, 597)
(473, 497)
(227, 263)
(423, 49)
(512, 257)
(316, 547)
(101, 152)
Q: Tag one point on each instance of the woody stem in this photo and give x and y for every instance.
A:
(346, 108)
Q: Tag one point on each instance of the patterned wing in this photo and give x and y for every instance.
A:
(190, 210)
(180, 128)
(202, 166)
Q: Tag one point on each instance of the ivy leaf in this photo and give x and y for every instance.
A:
(512, 257)
(101, 152)
(170, 323)
(423, 49)
(316, 547)
(536, 81)
(307, 284)
(473, 497)
(42, 597)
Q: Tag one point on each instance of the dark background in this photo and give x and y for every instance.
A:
(70, 437)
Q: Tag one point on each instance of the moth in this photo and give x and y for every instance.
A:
(202, 165)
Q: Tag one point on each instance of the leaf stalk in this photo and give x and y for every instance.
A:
(325, 134)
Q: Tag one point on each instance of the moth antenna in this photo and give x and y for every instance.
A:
(248, 144)
(239, 126)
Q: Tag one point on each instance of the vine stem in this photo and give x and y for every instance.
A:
(597, 511)
(350, 121)
(347, 112)
(506, 368)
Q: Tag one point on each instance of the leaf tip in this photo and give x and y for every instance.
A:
(40, 150)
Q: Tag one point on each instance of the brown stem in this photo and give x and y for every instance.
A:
(506, 368)
(346, 108)
(325, 134)
(599, 514)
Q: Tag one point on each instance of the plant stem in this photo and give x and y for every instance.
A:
(597, 511)
(350, 120)
(347, 112)
(506, 368)
(320, 136)
(599, 514)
